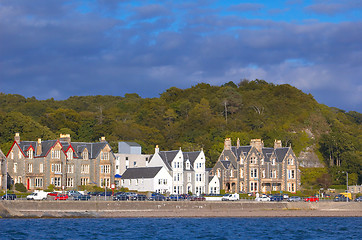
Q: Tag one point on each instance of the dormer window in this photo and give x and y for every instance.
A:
(262, 161)
(55, 154)
(12, 155)
(70, 154)
(273, 161)
(241, 160)
(104, 155)
(253, 160)
(19, 155)
(30, 154)
(290, 161)
(85, 155)
(187, 165)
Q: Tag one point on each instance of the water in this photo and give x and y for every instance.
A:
(182, 228)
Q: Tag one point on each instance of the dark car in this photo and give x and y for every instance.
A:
(95, 193)
(105, 193)
(9, 196)
(341, 198)
(81, 197)
(141, 197)
(157, 197)
(276, 198)
(359, 199)
(197, 198)
(175, 197)
(120, 196)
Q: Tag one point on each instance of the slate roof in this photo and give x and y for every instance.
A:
(142, 172)
(280, 153)
(225, 163)
(191, 156)
(93, 148)
(267, 152)
(168, 156)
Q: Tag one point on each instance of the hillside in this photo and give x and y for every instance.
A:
(200, 117)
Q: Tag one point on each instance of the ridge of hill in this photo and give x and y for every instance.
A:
(200, 117)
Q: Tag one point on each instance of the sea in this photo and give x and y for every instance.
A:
(183, 228)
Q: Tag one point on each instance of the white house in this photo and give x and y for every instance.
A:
(147, 179)
(214, 185)
(186, 168)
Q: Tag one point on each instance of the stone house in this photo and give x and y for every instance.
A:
(256, 168)
(60, 162)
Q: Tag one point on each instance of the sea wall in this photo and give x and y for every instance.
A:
(25, 209)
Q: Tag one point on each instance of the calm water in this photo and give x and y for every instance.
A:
(182, 228)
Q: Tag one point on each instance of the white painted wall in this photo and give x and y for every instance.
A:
(214, 186)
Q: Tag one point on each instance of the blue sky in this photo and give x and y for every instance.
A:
(52, 48)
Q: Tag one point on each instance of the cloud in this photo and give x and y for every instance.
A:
(333, 7)
(147, 48)
(247, 7)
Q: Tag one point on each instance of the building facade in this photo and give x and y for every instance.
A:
(186, 168)
(255, 168)
(61, 162)
(3, 173)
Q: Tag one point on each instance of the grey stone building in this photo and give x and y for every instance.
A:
(256, 168)
(60, 162)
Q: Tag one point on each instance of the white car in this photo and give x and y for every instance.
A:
(263, 198)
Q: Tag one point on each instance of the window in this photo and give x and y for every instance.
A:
(55, 154)
(84, 168)
(291, 174)
(187, 165)
(253, 172)
(218, 173)
(263, 174)
(57, 168)
(41, 168)
(189, 177)
(70, 168)
(15, 167)
(273, 161)
(30, 167)
(253, 186)
(70, 182)
(38, 182)
(30, 154)
(57, 182)
(106, 182)
(70, 154)
(134, 164)
(12, 155)
(241, 160)
(262, 161)
(241, 173)
(19, 154)
(253, 160)
(104, 155)
(231, 173)
(84, 181)
(290, 161)
(164, 181)
(105, 168)
(85, 155)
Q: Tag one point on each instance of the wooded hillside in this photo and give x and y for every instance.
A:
(198, 117)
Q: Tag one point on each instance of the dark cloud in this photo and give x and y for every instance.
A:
(150, 47)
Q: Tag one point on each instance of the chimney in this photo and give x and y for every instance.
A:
(227, 144)
(17, 138)
(257, 143)
(103, 139)
(157, 150)
(64, 137)
(38, 149)
(238, 143)
(277, 143)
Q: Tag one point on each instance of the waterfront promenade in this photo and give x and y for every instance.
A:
(53, 209)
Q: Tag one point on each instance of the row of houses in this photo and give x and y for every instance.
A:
(67, 165)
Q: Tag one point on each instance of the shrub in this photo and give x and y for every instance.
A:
(20, 187)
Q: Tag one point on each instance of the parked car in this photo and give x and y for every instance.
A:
(9, 196)
(175, 197)
(120, 196)
(61, 197)
(197, 198)
(95, 193)
(294, 199)
(262, 198)
(230, 197)
(141, 197)
(157, 197)
(276, 198)
(341, 198)
(52, 194)
(81, 197)
(37, 196)
(359, 199)
(104, 193)
(311, 199)
(286, 196)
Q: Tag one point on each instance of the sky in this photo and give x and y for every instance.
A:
(57, 49)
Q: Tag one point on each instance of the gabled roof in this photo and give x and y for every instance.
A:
(267, 152)
(168, 156)
(191, 156)
(143, 172)
(226, 164)
(280, 153)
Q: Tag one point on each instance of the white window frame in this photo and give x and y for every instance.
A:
(30, 167)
